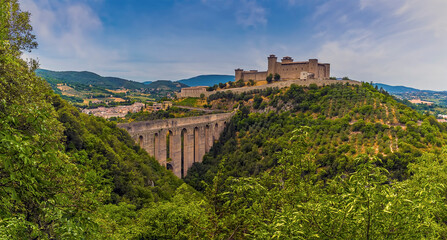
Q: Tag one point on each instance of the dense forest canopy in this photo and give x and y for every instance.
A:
(332, 162)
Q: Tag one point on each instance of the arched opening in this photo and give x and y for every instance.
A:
(183, 147)
(140, 141)
(156, 146)
(169, 167)
(196, 144)
(168, 145)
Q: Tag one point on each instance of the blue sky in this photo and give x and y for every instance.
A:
(398, 42)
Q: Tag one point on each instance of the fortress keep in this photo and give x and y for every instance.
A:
(288, 70)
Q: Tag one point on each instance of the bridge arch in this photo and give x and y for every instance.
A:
(184, 150)
(178, 143)
(169, 145)
(140, 140)
(169, 167)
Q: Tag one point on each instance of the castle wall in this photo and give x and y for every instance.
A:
(238, 75)
(291, 71)
(284, 84)
(256, 76)
(191, 91)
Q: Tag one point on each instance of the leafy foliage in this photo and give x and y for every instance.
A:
(15, 27)
(58, 166)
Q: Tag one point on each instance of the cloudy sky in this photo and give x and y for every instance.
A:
(398, 42)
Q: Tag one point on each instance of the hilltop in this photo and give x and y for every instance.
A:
(165, 85)
(87, 78)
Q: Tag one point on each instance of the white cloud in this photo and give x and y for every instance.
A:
(65, 32)
(250, 14)
(403, 44)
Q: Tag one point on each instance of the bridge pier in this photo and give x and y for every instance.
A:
(175, 152)
(162, 151)
(188, 149)
(189, 139)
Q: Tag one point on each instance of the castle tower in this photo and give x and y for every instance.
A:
(271, 64)
(238, 74)
(327, 71)
(313, 67)
(287, 59)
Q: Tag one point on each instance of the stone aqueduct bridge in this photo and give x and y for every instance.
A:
(178, 142)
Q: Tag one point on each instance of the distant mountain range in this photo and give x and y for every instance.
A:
(93, 79)
(90, 78)
(202, 80)
(408, 93)
(206, 80)
(398, 89)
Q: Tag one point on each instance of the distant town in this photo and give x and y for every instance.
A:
(122, 111)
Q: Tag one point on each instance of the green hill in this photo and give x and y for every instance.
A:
(165, 85)
(87, 78)
(343, 122)
(397, 89)
(207, 80)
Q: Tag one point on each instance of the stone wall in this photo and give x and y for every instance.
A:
(284, 84)
(191, 91)
(189, 139)
(256, 76)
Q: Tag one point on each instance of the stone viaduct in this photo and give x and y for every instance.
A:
(177, 143)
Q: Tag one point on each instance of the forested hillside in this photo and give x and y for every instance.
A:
(342, 122)
(87, 78)
(165, 85)
(63, 174)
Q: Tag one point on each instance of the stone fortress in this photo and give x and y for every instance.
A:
(300, 73)
(288, 70)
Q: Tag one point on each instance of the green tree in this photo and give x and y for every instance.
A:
(277, 77)
(240, 83)
(15, 27)
(251, 82)
(269, 78)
